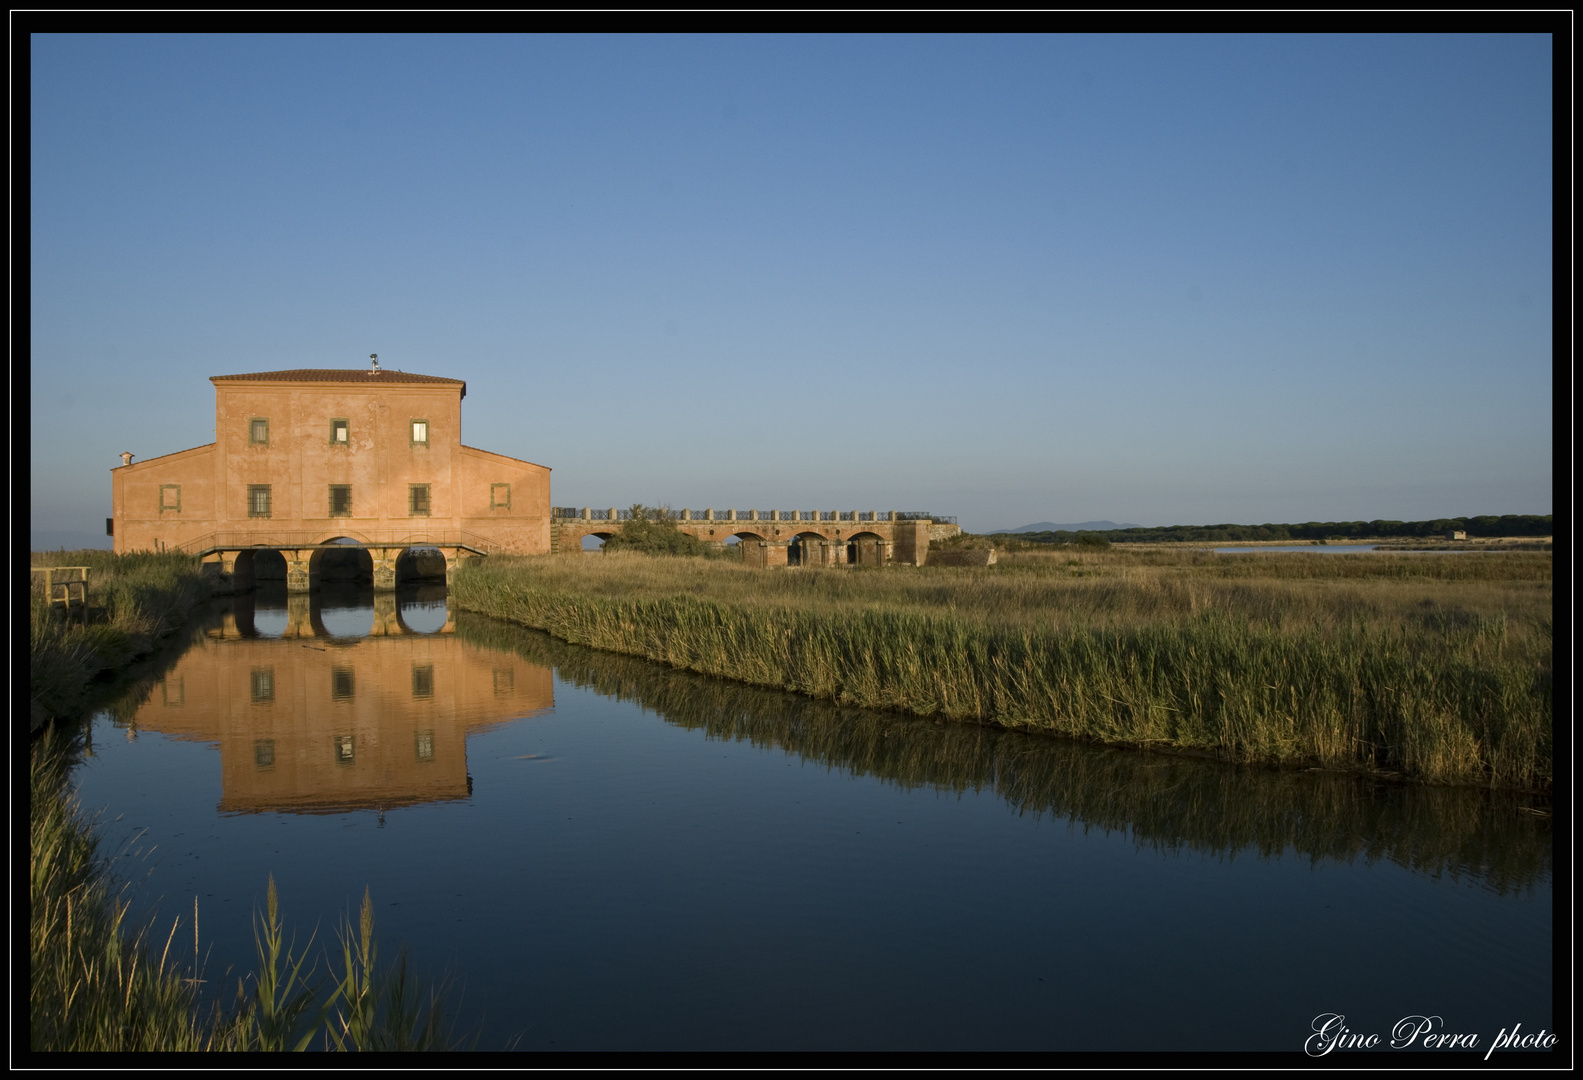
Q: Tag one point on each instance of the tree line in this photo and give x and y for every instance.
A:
(1481, 526)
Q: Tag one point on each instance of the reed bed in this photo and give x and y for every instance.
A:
(1168, 802)
(133, 601)
(1431, 667)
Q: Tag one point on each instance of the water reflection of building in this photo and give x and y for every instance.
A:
(312, 723)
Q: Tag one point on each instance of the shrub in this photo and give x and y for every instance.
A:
(652, 530)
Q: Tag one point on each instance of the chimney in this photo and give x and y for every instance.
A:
(126, 457)
(374, 359)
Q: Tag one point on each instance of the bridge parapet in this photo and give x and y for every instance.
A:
(573, 513)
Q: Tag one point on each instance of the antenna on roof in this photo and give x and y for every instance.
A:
(374, 356)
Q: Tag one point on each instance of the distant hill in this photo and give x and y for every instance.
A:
(1050, 526)
(55, 539)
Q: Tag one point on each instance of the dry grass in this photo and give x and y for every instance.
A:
(1438, 668)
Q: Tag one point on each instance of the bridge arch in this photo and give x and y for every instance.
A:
(866, 549)
(421, 563)
(343, 560)
(806, 549)
(263, 564)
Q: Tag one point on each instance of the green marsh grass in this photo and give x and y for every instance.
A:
(1167, 802)
(1437, 668)
(133, 601)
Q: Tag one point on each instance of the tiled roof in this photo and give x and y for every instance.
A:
(339, 375)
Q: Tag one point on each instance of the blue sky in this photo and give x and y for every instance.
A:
(1155, 279)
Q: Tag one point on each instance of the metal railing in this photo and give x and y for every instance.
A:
(573, 513)
(218, 541)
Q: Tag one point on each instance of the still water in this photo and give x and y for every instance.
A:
(1323, 549)
(611, 854)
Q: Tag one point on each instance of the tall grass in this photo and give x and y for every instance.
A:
(1500, 839)
(133, 601)
(1405, 664)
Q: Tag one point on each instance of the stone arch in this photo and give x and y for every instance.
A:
(600, 535)
(340, 560)
(866, 549)
(421, 563)
(806, 548)
(263, 564)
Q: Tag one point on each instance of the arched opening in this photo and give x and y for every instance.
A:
(596, 541)
(420, 565)
(267, 565)
(806, 549)
(747, 546)
(865, 549)
(345, 563)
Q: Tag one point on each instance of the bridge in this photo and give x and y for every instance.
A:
(229, 558)
(780, 537)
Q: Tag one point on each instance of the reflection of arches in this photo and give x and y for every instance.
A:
(242, 611)
(417, 614)
(865, 549)
(341, 611)
(347, 560)
(420, 564)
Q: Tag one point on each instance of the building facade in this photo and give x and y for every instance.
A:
(310, 457)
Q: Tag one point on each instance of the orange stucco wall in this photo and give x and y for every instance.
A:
(300, 461)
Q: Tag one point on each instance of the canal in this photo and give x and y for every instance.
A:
(605, 853)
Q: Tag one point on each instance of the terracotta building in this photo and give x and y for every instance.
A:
(307, 457)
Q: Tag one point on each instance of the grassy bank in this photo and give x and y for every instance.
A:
(1502, 840)
(1435, 668)
(133, 602)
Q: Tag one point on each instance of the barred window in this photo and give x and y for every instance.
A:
(258, 500)
(263, 685)
(418, 499)
(340, 500)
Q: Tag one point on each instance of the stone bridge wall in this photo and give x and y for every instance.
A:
(833, 539)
